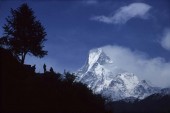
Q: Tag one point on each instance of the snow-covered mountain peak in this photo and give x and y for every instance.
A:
(102, 75)
(97, 56)
(94, 56)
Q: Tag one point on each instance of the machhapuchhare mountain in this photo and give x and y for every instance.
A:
(113, 82)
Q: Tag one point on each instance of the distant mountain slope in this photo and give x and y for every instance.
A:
(156, 103)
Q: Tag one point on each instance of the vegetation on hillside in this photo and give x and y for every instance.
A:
(23, 90)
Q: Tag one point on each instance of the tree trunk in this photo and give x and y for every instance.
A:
(23, 58)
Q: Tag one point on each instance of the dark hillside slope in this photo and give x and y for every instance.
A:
(23, 91)
(155, 103)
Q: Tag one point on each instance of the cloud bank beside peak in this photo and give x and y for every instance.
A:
(165, 41)
(156, 70)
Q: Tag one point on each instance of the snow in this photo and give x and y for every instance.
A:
(99, 70)
(102, 76)
(93, 57)
(130, 80)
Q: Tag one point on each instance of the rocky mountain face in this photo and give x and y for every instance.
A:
(102, 76)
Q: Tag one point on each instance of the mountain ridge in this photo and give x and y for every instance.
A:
(101, 75)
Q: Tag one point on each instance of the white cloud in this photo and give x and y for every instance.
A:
(125, 13)
(156, 70)
(165, 41)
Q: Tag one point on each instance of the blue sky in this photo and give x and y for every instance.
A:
(75, 26)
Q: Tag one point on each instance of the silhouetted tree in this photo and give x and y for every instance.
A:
(23, 34)
(34, 67)
(69, 77)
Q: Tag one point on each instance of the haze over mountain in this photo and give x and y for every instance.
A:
(119, 73)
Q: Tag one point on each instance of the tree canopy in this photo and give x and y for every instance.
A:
(23, 34)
